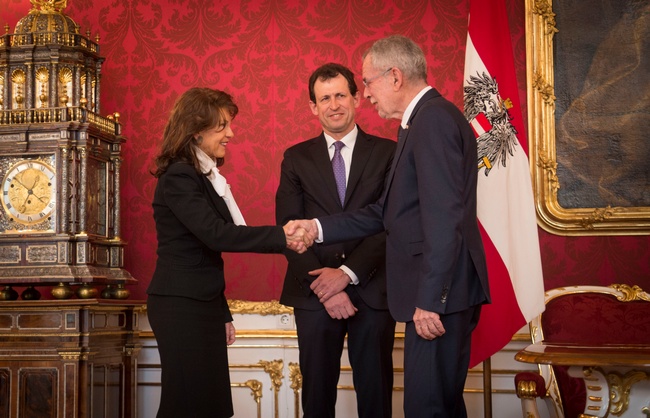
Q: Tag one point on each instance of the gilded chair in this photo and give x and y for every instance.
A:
(582, 336)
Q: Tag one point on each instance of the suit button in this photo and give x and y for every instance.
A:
(387, 232)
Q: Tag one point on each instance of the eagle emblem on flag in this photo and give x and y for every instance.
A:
(488, 116)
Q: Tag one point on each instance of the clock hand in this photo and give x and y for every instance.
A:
(44, 199)
(35, 182)
(24, 207)
(20, 182)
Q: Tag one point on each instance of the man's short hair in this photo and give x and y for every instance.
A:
(328, 71)
(400, 52)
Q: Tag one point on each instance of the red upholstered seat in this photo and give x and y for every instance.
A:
(617, 315)
(596, 319)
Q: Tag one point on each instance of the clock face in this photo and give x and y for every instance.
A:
(28, 192)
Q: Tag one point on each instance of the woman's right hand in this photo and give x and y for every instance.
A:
(230, 333)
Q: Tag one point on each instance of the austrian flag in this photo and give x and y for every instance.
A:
(480, 124)
(506, 208)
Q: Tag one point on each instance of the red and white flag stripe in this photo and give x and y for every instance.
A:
(506, 208)
(480, 124)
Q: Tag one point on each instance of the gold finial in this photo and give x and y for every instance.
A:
(116, 115)
(6, 27)
(49, 6)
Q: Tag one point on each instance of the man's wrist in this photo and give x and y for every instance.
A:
(353, 279)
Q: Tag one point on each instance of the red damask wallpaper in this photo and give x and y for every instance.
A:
(262, 52)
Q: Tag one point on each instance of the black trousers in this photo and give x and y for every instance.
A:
(191, 339)
(435, 371)
(371, 334)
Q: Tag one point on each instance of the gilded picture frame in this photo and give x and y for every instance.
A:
(589, 156)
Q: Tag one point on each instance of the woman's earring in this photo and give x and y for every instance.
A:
(199, 139)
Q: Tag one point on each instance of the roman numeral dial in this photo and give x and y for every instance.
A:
(29, 192)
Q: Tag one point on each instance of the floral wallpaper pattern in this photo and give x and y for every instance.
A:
(262, 52)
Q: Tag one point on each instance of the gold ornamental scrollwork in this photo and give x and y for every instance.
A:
(619, 389)
(256, 392)
(544, 9)
(274, 369)
(630, 293)
(256, 389)
(545, 89)
(295, 376)
(272, 307)
(598, 215)
(49, 6)
(550, 167)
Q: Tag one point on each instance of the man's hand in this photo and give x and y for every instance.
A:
(339, 306)
(427, 324)
(309, 227)
(330, 281)
(297, 239)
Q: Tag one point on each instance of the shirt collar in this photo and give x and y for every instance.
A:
(409, 109)
(205, 161)
(349, 139)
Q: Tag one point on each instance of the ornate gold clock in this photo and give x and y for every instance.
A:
(59, 161)
(29, 193)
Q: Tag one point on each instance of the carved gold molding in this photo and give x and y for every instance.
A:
(630, 293)
(274, 370)
(49, 6)
(619, 389)
(264, 308)
(272, 307)
(256, 392)
(295, 376)
(527, 389)
(256, 389)
(609, 220)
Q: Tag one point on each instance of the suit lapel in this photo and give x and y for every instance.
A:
(401, 139)
(323, 166)
(217, 202)
(360, 156)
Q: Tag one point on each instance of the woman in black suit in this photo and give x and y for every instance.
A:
(197, 219)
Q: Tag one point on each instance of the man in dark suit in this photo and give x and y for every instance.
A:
(437, 275)
(351, 275)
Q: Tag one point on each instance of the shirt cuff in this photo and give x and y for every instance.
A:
(353, 277)
(320, 232)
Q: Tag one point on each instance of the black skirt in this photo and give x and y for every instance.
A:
(191, 341)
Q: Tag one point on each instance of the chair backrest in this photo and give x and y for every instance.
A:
(588, 315)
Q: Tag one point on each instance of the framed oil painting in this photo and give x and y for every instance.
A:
(588, 66)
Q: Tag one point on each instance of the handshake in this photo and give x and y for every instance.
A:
(300, 234)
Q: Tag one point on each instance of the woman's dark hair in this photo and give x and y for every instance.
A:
(197, 109)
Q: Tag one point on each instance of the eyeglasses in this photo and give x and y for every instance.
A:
(371, 79)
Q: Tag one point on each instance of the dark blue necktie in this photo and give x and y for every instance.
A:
(338, 165)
